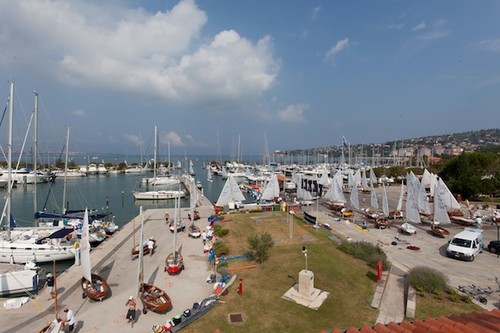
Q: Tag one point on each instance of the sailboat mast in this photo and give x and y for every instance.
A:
(63, 209)
(140, 270)
(9, 158)
(35, 155)
(174, 243)
(154, 154)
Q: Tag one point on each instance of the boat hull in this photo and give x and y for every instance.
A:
(154, 299)
(96, 291)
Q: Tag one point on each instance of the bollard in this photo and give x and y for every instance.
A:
(240, 288)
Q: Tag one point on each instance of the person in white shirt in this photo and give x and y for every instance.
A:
(70, 320)
(151, 246)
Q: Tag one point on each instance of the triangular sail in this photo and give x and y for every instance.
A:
(423, 204)
(412, 214)
(230, 193)
(399, 207)
(373, 198)
(335, 192)
(448, 198)
(364, 181)
(193, 199)
(354, 198)
(373, 178)
(440, 214)
(85, 248)
(385, 202)
(272, 189)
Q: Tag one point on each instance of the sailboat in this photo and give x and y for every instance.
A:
(440, 213)
(21, 245)
(398, 213)
(157, 194)
(174, 263)
(152, 297)
(194, 230)
(93, 286)
(272, 189)
(230, 195)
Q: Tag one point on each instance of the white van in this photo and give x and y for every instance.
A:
(466, 244)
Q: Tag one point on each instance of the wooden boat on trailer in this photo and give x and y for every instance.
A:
(174, 263)
(97, 289)
(194, 231)
(145, 249)
(382, 223)
(154, 299)
(396, 214)
(439, 231)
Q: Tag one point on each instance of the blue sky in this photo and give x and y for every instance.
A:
(292, 74)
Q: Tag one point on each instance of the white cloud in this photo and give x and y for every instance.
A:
(174, 139)
(339, 46)
(437, 31)
(293, 113)
(418, 27)
(91, 44)
(79, 113)
(315, 12)
(492, 45)
(134, 139)
(396, 26)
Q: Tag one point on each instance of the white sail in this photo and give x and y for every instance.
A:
(85, 248)
(324, 179)
(373, 198)
(422, 201)
(193, 197)
(272, 189)
(335, 192)
(440, 213)
(373, 178)
(354, 198)
(448, 198)
(412, 214)
(230, 193)
(364, 181)
(400, 201)
(351, 179)
(385, 202)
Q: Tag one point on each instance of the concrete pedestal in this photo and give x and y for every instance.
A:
(304, 293)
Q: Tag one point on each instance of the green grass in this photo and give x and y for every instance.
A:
(348, 280)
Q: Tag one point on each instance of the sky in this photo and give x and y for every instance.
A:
(247, 77)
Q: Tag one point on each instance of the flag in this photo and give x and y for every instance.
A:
(344, 142)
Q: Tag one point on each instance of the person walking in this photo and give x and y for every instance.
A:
(151, 246)
(70, 320)
(131, 304)
(50, 285)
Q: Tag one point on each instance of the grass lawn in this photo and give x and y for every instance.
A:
(430, 306)
(345, 278)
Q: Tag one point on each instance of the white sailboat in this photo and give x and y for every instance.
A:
(174, 264)
(230, 195)
(385, 202)
(158, 194)
(354, 197)
(440, 213)
(21, 245)
(272, 189)
(93, 285)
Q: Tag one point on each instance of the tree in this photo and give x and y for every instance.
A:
(471, 174)
(260, 245)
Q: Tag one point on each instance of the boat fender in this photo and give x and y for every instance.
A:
(76, 245)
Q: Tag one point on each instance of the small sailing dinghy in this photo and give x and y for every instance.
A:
(174, 263)
(152, 297)
(93, 286)
(408, 228)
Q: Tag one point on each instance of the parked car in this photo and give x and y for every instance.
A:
(494, 247)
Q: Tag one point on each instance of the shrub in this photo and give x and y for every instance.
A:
(221, 249)
(219, 231)
(365, 251)
(428, 280)
(260, 245)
